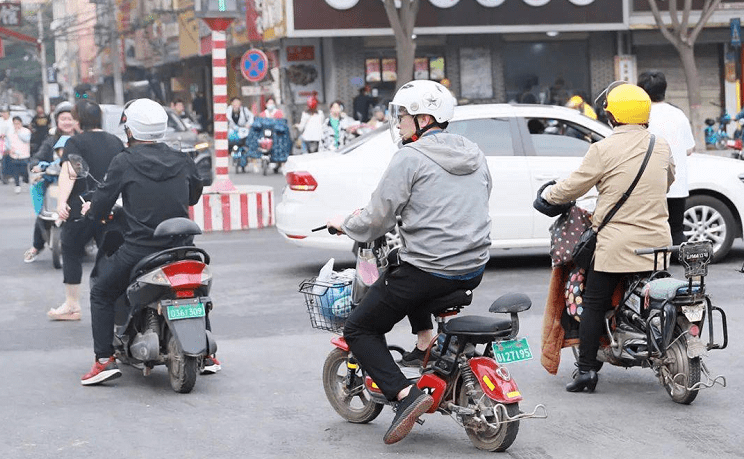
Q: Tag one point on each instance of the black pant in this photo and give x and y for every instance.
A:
(108, 281)
(39, 228)
(403, 291)
(676, 208)
(75, 235)
(19, 170)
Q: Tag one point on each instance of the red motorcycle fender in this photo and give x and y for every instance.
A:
(340, 343)
(495, 380)
(437, 387)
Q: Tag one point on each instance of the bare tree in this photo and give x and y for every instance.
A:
(683, 35)
(402, 21)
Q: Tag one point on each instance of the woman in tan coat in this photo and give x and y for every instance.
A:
(611, 165)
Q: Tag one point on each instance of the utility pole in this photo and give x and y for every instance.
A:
(42, 52)
(115, 46)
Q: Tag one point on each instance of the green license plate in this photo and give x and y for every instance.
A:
(185, 311)
(515, 350)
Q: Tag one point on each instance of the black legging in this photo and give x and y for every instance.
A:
(597, 300)
(75, 235)
(401, 292)
(676, 208)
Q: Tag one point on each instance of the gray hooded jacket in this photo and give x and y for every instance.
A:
(439, 186)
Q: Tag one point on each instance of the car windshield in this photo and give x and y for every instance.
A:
(361, 139)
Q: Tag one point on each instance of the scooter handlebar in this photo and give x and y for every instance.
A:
(330, 229)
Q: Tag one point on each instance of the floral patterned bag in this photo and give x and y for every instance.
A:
(565, 233)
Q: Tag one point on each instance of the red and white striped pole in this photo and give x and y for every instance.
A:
(219, 95)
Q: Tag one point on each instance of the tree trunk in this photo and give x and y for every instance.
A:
(687, 56)
(406, 54)
(402, 22)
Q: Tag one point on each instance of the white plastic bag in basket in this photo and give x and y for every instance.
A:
(324, 276)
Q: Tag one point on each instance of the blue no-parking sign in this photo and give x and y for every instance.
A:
(254, 65)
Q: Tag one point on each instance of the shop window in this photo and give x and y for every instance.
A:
(385, 70)
(546, 72)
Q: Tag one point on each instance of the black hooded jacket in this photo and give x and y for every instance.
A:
(156, 183)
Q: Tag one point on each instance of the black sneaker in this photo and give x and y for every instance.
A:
(416, 403)
(415, 358)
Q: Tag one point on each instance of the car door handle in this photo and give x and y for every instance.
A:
(546, 177)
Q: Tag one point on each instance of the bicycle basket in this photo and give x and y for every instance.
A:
(328, 303)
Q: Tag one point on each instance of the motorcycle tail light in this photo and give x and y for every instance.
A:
(156, 277)
(206, 275)
(301, 181)
(184, 274)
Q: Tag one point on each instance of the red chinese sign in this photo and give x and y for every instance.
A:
(300, 53)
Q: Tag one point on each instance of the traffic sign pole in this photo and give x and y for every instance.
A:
(219, 108)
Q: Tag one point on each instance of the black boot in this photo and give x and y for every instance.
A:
(583, 380)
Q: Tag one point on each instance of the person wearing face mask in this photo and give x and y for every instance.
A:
(337, 128)
(271, 110)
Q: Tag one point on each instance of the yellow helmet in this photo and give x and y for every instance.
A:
(574, 102)
(628, 103)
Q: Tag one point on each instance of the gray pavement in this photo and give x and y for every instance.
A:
(268, 401)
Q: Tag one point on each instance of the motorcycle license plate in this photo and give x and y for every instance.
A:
(694, 313)
(186, 309)
(515, 350)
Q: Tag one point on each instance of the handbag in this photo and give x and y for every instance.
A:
(565, 233)
(583, 251)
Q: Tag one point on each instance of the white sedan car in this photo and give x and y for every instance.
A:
(526, 146)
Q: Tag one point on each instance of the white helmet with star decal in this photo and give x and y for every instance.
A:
(421, 97)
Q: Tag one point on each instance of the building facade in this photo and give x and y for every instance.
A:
(490, 50)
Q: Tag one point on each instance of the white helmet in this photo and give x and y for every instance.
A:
(421, 97)
(145, 119)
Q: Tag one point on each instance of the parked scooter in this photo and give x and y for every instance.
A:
(717, 137)
(471, 385)
(269, 142)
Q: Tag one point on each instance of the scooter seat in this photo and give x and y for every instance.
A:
(451, 303)
(664, 289)
(477, 326)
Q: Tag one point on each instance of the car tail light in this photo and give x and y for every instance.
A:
(301, 181)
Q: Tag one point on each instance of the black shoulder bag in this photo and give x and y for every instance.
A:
(583, 251)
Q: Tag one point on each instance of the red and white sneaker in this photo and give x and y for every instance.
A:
(101, 372)
(211, 365)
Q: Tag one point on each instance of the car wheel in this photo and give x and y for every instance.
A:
(709, 218)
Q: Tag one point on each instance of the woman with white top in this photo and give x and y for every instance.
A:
(311, 126)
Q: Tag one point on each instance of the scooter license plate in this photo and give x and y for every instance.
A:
(694, 313)
(185, 309)
(515, 350)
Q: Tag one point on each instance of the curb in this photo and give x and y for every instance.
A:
(247, 207)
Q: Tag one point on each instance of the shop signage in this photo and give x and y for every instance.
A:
(318, 17)
(735, 25)
(302, 67)
(254, 65)
(10, 14)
